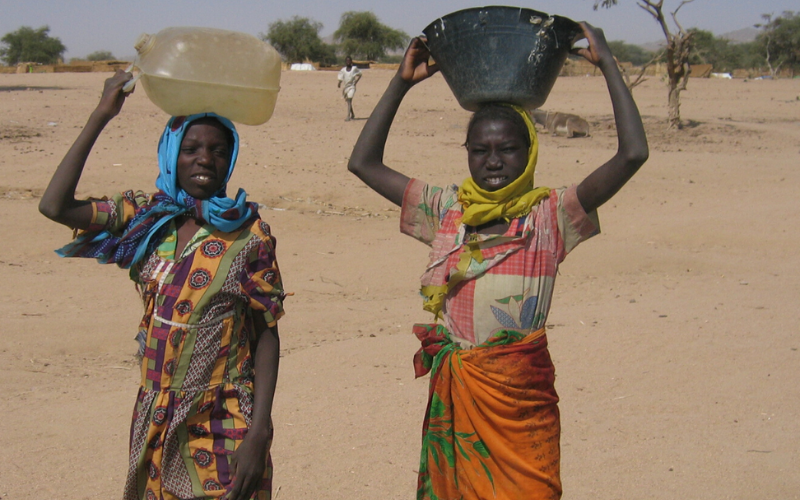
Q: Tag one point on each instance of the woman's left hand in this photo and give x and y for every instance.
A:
(414, 68)
(248, 463)
(598, 50)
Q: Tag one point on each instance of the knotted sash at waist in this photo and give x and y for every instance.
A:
(492, 426)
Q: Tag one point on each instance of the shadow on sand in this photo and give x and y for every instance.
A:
(18, 88)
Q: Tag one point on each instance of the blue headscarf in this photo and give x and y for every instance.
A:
(144, 232)
(217, 210)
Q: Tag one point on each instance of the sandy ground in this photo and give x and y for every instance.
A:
(675, 333)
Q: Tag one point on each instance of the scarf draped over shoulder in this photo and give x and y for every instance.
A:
(480, 206)
(515, 200)
(142, 234)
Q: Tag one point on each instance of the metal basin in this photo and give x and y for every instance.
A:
(500, 54)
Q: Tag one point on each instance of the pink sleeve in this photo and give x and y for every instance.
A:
(574, 224)
(422, 209)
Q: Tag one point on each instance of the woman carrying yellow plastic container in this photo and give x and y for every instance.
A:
(206, 269)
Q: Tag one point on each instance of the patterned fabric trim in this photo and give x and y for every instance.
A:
(103, 215)
(211, 322)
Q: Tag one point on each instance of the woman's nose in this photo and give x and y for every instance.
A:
(494, 161)
(204, 156)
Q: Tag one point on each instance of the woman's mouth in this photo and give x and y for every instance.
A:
(495, 180)
(202, 178)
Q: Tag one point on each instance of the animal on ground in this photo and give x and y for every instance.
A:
(563, 124)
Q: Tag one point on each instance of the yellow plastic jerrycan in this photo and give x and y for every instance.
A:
(200, 70)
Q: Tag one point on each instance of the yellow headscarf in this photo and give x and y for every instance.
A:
(515, 200)
(481, 206)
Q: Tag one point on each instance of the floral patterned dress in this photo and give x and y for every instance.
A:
(492, 426)
(510, 284)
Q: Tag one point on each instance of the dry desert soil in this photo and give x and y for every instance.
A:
(675, 333)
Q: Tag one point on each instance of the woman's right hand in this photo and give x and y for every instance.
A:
(113, 96)
(415, 67)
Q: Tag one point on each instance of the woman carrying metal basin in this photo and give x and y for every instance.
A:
(491, 429)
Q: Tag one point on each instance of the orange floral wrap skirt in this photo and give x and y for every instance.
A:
(492, 428)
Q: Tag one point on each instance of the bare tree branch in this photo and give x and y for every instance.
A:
(654, 9)
(604, 3)
(685, 78)
(648, 8)
(640, 78)
(675, 16)
(684, 2)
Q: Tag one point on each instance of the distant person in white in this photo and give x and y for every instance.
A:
(349, 76)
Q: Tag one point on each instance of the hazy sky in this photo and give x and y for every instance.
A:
(85, 26)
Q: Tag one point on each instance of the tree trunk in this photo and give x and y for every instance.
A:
(675, 72)
(674, 106)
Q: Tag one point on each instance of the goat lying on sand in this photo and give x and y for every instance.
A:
(563, 124)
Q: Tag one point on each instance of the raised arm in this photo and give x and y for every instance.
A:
(632, 149)
(366, 160)
(58, 202)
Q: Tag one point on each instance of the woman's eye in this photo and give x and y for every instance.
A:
(187, 151)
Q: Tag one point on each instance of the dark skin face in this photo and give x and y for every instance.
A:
(496, 153)
(348, 62)
(204, 159)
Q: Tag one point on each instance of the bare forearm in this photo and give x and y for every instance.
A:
(632, 143)
(265, 361)
(58, 202)
(366, 160)
(370, 145)
(250, 458)
(632, 150)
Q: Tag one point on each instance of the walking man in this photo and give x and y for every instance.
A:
(349, 77)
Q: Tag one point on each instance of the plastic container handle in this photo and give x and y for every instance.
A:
(128, 87)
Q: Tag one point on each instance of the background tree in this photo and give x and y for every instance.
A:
(748, 55)
(721, 53)
(327, 55)
(362, 35)
(706, 48)
(780, 40)
(676, 53)
(626, 52)
(298, 40)
(642, 58)
(100, 55)
(31, 45)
